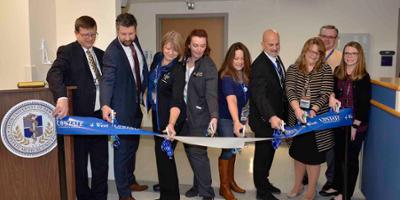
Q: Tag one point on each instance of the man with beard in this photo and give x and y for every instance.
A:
(124, 80)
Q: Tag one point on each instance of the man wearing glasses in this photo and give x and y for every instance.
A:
(329, 34)
(79, 64)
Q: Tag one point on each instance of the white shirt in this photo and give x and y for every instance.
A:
(188, 73)
(273, 60)
(128, 53)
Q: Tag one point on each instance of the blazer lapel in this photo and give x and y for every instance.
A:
(85, 64)
(125, 60)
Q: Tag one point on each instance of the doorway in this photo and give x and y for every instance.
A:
(215, 24)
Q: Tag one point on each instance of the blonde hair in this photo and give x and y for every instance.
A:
(176, 40)
(301, 61)
(359, 70)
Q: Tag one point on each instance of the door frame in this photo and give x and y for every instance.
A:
(160, 17)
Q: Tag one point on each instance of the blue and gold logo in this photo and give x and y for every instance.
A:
(28, 130)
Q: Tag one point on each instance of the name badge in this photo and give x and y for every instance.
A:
(305, 102)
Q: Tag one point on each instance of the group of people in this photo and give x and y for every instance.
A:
(188, 96)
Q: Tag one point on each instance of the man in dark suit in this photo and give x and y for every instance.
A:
(268, 108)
(79, 64)
(122, 85)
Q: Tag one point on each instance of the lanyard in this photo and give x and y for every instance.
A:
(329, 55)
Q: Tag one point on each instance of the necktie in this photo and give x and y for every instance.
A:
(137, 68)
(93, 67)
(280, 72)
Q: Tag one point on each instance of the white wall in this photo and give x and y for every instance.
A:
(15, 58)
(24, 23)
(103, 11)
(42, 25)
(295, 20)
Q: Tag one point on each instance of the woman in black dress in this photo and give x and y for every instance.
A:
(309, 82)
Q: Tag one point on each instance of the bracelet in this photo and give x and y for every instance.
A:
(314, 110)
(355, 126)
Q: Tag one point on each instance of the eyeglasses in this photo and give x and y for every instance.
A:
(328, 37)
(87, 35)
(351, 53)
(316, 53)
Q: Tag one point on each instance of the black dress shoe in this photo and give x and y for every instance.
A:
(266, 196)
(192, 192)
(327, 194)
(327, 186)
(272, 188)
(208, 198)
(156, 187)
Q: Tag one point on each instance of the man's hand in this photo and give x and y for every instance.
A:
(275, 122)
(107, 112)
(61, 109)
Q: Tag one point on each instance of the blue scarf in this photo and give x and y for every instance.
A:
(154, 77)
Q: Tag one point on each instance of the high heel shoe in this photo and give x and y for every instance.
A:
(306, 197)
(294, 194)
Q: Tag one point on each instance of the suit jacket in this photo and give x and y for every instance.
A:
(267, 96)
(118, 86)
(71, 68)
(202, 96)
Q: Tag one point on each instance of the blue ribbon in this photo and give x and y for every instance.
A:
(324, 121)
(74, 125)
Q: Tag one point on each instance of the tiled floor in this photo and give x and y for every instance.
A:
(282, 173)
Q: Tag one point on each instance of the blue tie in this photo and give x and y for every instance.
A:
(280, 72)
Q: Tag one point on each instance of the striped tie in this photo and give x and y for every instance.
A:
(93, 67)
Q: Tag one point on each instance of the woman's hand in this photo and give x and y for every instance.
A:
(237, 127)
(353, 133)
(312, 113)
(334, 103)
(212, 127)
(300, 115)
(170, 129)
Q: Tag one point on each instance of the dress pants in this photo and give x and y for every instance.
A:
(353, 161)
(330, 162)
(125, 161)
(166, 167)
(94, 147)
(200, 164)
(263, 157)
(167, 173)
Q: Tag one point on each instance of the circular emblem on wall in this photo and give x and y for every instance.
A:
(27, 129)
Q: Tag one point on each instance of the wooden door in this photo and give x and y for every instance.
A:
(184, 24)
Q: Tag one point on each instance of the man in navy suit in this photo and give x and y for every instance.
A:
(122, 85)
(79, 64)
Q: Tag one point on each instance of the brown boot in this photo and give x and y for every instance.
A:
(231, 172)
(224, 188)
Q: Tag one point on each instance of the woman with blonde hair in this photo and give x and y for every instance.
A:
(233, 95)
(352, 90)
(309, 82)
(165, 99)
